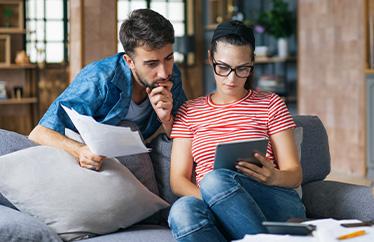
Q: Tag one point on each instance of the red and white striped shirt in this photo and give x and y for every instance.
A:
(257, 115)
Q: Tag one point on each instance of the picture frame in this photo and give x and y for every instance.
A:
(11, 16)
(4, 50)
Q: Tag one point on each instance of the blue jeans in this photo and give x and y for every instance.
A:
(233, 205)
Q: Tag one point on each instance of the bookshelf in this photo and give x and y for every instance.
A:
(10, 101)
(19, 108)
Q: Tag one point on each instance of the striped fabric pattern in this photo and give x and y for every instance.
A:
(257, 115)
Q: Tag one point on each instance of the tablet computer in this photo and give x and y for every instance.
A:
(227, 154)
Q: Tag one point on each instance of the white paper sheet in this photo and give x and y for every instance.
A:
(276, 238)
(328, 230)
(106, 140)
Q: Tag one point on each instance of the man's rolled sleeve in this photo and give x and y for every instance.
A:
(83, 95)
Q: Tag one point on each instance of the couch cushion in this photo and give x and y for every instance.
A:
(11, 141)
(141, 166)
(330, 199)
(48, 183)
(138, 233)
(315, 154)
(19, 227)
(160, 155)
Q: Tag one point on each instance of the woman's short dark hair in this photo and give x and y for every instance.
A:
(145, 27)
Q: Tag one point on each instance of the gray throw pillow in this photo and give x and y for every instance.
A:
(10, 142)
(19, 227)
(140, 164)
(49, 184)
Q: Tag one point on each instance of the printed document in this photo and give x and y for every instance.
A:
(328, 230)
(106, 140)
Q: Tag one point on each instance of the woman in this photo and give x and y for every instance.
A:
(225, 204)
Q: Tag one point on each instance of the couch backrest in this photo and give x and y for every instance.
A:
(315, 153)
(12, 141)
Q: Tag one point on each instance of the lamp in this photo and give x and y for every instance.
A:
(184, 45)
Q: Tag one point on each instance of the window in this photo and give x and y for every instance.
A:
(174, 10)
(46, 30)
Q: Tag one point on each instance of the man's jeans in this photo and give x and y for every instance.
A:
(233, 205)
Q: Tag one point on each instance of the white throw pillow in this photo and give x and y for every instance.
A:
(49, 184)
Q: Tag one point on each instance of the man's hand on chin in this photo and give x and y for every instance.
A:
(161, 100)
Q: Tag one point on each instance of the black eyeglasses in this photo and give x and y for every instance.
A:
(222, 69)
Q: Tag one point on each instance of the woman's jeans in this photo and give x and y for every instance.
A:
(233, 205)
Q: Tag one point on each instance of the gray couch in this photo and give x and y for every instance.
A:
(322, 199)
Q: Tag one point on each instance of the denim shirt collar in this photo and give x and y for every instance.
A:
(123, 76)
(123, 79)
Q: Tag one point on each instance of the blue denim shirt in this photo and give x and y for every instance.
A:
(103, 90)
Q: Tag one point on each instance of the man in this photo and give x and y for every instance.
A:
(141, 85)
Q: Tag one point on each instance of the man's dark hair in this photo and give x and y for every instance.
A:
(145, 27)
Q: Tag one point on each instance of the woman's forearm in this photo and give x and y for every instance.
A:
(182, 186)
(288, 178)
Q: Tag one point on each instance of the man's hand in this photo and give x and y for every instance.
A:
(161, 99)
(266, 174)
(89, 160)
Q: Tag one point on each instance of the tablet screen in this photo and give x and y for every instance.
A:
(227, 154)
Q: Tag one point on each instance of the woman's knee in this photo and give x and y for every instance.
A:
(216, 182)
(186, 210)
(188, 214)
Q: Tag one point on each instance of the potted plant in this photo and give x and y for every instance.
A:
(280, 23)
(8, 14)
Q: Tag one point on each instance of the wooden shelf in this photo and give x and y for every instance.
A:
(26, 100)
(15, 66)
(274, 59)
(12, 31)
(369, 71)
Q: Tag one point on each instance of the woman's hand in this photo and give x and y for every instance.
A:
(266, 174)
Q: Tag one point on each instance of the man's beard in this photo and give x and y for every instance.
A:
(151, 85)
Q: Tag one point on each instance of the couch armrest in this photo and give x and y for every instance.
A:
(325, 199)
